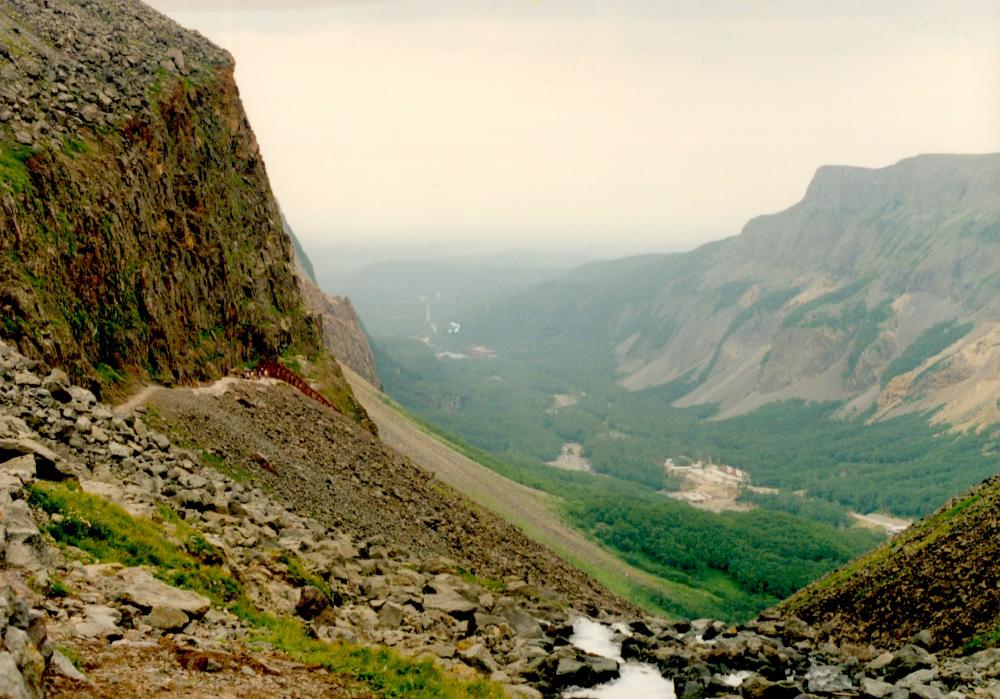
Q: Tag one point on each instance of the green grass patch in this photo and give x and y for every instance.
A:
(238, 472)
(185, 559)
(57, 588)
(488, 583)
(109, 533)
(989, 639)
(72, 655)
(301, 576)
(13, 172)
(385, 672)
(109, 376)
(323, 372)
(73, 146)
(832, 298)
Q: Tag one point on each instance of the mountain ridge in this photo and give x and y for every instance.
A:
(814, 302)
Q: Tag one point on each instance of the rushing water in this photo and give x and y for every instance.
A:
(637, 680)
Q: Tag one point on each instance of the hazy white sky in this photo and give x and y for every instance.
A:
(544, 123)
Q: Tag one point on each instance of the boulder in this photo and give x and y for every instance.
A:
(24, 547)
(875, 689)
(312, 601)
(391, 615)
(11, 682)
(62, 665)
(48, 464)
(99, 622)
(827, 678)
(21, 466)
(478, 656)
(906, 660)
(145, 592)
(12, 427)
(57, 384)
(451, 604)
(82, 399)
(569, 668)
(26, 378)
(757, 687)
(519, 619)
(168, 619)
(119, 451)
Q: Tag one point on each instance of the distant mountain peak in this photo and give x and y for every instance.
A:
(925, 181)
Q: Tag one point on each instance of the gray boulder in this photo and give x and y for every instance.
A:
(146, 592)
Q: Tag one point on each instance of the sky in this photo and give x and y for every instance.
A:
(414, 127)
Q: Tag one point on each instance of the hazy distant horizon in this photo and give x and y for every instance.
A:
(393, 128)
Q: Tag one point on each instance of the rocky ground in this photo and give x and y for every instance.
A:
(333, 470)
(133, 634)
(940, 574)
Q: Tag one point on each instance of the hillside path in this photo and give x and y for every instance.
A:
(528, 509)
(216, 388)
(138, 398)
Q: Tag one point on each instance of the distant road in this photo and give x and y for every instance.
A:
(528, 509)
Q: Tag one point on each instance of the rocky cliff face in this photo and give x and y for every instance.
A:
(344, 335)
(878, 288)
(138, 232)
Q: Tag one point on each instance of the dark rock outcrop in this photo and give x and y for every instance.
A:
(344, 335)
(137, 226)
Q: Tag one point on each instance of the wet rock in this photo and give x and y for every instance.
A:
(569, 668)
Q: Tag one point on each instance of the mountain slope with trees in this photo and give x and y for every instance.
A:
(879, 288)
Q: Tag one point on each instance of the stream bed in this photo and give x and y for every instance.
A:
(636, 681)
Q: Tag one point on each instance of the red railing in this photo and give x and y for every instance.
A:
(273, 370)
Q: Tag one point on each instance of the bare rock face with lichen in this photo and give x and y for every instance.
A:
(138, 231)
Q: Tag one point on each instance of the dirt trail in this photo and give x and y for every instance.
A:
(528, 509)
(136, 399)
(216, 388)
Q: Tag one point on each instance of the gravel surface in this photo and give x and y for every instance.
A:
(328, 467)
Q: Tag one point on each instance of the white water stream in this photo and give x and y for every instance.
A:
(637, 680)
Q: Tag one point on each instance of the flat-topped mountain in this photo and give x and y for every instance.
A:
(878, 288)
